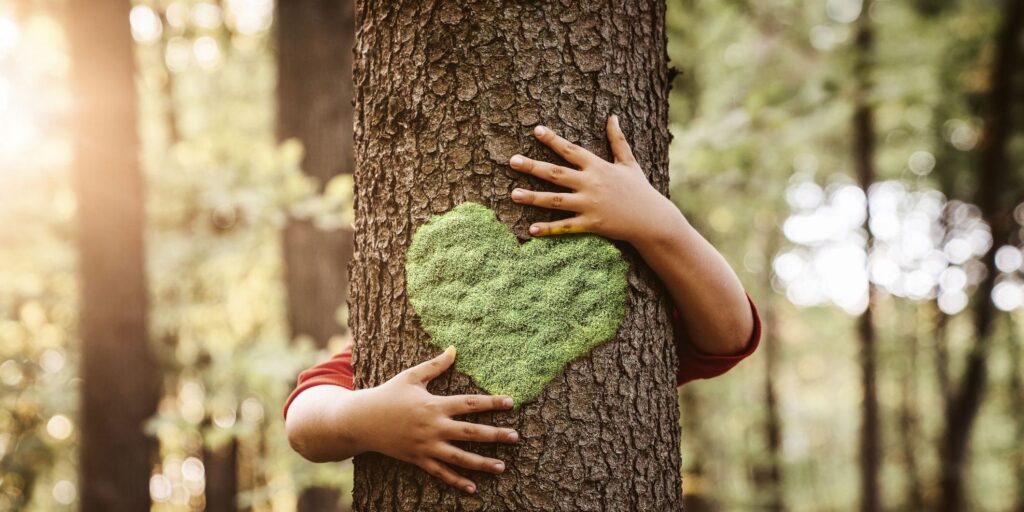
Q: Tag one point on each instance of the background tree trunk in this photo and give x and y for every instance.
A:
(315, 106)
(773, 481)
(221, 465)
(864, 162)
(446, 92)
(993, 180)
(120, 377)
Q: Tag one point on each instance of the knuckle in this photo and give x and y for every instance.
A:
(471, 431)
(556, 173)
(455, 458)
(472, 402)
(556, 200)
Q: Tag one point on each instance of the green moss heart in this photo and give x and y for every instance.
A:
(516, 313)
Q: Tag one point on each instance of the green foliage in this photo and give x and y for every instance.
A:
(516, 313)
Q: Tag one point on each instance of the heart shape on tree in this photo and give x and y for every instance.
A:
(517, 314)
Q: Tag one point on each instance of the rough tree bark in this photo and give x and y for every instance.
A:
(994, 171)
(446, 92)
(120, 376)
(864, 162)
(314, 93)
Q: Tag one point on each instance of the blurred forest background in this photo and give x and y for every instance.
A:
(858, 162)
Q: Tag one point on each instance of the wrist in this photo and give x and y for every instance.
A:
(666, 232)
(356, 429)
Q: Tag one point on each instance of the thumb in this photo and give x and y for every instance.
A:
(430, 369)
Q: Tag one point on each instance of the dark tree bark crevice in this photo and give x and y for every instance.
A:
(446, 93)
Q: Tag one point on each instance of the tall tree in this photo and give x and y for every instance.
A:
(314, 93)
(445, 93)
(864, 142)
(773, 476)
(994, 171)
(120, 377)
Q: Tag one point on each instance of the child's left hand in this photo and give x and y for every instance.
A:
(611, 199)
(615, 200)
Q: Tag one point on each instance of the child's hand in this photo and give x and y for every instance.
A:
(407, 422)
(614, 200)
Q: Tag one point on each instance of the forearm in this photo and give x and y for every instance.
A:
(323, 425)
(707, 292)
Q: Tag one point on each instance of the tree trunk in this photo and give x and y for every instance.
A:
(446, 92)
(994, 177)
(120, 376)
(773, 479)
(864, 161)
(221, 465)
(908, 415)
(1016, 407)
(315, 106)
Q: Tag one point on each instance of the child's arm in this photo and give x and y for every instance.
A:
(614, 199)
(399, 418)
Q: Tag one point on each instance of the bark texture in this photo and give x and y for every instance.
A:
(445, 93)
(120, 377)
(315, 106)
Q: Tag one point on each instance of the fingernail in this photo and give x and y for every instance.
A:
(499, 467)
(534, 230)
(516, 160)
(507, 403)
(540, 131)
(615, 119)
(451, 351)
(470, 489)
(517, 194)
(513, 436)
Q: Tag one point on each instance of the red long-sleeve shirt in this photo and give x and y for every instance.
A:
(693, 363)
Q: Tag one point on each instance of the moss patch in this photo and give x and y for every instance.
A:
(517, 313)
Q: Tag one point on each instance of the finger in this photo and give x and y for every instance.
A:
(562, 176)
(466, 404)
(620, 148)
(553, 200)
(476, 433)
(558, 227)
(430, 369)
(567, 150)
(447, 475)
(469, 460)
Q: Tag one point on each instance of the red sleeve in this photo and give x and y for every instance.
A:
(336, 371)
(695, 364)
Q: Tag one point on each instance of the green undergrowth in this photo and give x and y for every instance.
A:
(516, 313)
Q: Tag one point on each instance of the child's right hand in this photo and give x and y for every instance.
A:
(405, 421)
